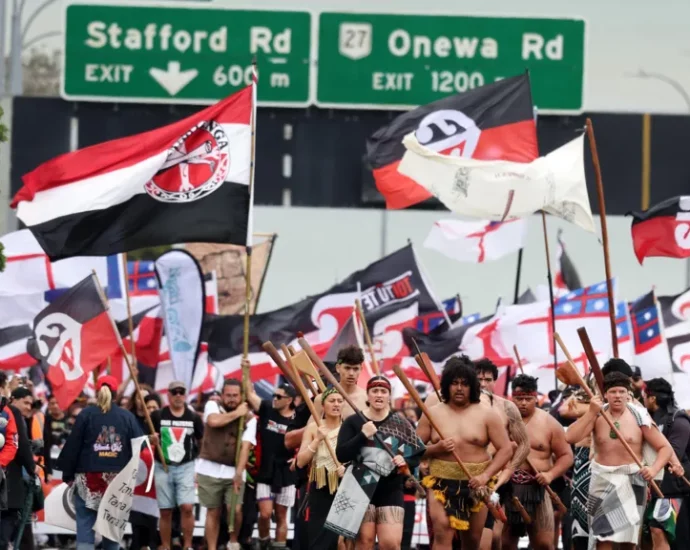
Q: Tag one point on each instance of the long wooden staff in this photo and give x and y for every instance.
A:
(604, 414)
(604, 233)
(405, 470)
(519, 360)
(554, 497)
(272, 352)
(305, 397)
(520, 508)
(589, 352)
(367, 336)
(428, 370)
(497, 512)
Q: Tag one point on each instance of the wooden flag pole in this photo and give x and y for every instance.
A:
(246, 379)
(552, 303)
(125, 267)
(367, 336)
(604, 234)
(137, 388)
(518, 272)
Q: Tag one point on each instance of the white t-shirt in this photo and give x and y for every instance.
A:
(221, 471)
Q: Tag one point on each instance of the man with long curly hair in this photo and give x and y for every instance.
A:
(469, 428)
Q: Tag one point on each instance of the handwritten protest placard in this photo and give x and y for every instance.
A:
(113, 512)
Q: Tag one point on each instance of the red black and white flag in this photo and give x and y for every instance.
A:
(663, 230)
(188, 181)
(73, 336)
(493, 122)
(13, 353)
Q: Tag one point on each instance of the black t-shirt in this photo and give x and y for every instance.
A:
(389, 491)
(299, 421)
(179, 435)
(272, 428)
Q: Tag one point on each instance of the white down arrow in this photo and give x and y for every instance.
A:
(173, 79)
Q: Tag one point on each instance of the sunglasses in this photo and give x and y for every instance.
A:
(279, 396)
(177, 391)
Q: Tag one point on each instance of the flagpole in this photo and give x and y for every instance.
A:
(272, 237)
(549, 279)
(518, 272)
(120, 343)
(604, 234)
(248, 288)
(129, 307)
(427, 280)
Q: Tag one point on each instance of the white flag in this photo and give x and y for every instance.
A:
(500, 190)
(113, 511)
(477, 242)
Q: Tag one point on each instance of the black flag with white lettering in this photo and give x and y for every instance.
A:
(388, 285)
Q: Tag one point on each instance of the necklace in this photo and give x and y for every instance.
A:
(616, 423)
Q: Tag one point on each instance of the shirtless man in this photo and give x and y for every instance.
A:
(348, 367)
(470, 428)
(618, 487)
(487, 374)
(547, 439)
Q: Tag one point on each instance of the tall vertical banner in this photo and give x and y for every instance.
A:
(181, 287)
(113, 511)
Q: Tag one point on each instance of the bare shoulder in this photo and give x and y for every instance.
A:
(489, 414)
(432, 399)
(553, 424)
(439, 407)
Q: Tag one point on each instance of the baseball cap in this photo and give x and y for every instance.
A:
(107, 380)
(176, 385)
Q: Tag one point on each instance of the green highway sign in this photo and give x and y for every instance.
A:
(396, 61)
(175, 54)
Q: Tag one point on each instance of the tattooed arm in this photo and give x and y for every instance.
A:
(518, 435)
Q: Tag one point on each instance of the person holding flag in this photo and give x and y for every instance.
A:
(96, 450)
